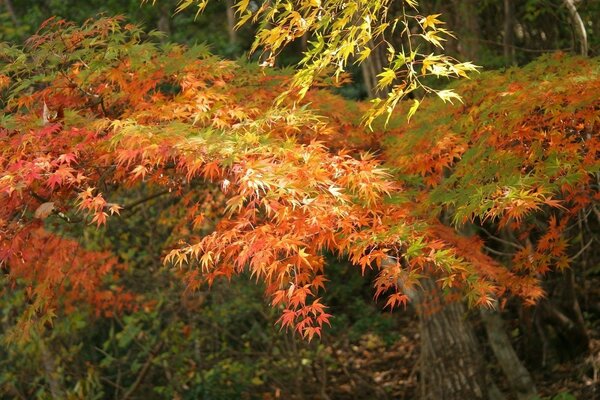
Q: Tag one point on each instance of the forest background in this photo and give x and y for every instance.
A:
(224, 343)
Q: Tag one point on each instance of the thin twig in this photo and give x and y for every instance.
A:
(496, 252)
(500, 240)
(581, 251)
(143, 372)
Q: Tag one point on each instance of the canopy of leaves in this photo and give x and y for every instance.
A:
(346, 32)
(484, 197)
(93, 112)
(519, 158)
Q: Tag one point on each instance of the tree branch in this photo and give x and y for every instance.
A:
(153, 196)
(143, 372)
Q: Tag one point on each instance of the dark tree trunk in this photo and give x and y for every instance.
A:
(304, 43)
(466, 27)
(555, 330)
(573, 310)
(451, 363)
(569, 337)
(371, 67)
(509, 31)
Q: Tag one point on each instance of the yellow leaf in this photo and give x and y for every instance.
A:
(448, 95)
(413, 109)
(363, 54)
(386, 77)
(430, 21)
(242, 6)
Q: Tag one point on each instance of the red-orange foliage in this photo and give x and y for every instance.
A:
(518, 162)
(277, 186)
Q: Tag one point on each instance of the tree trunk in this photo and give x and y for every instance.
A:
(578, 25)
(369, 78)
(371, 67)
(51, 374)
(231, 21)
(569, 336)
(164, 23)
(508, 41)
(451, 363)
(519, 379)
(573, 310)
(304, 43)
(466, 26)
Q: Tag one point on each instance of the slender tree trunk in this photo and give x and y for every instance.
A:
(164, 23)
(519, 379)
(573, 310)
(371, 67)
(509, 31)
(466, 26)
(51, 373)
(451, 363)
(578, 25)
(571, 339)
(231, 21)
(368, 78)
(304, 43)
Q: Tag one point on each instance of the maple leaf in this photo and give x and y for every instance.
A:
(287, 196)
(395, 300)
(68, 159)
(99, 218)
(287, 318)
(114, 208)
(44, 210)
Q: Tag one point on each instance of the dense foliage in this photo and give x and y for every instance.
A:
(517, 161)
(491, 33)
(118, 153)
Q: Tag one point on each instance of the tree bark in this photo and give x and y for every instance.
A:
(51, 373)
(164, 23)
(466, 26)
(451, 363)
(570, 337)
(371, 67)
(518, 377)
(508, 40)
(231, 21)
(368, 77)
(304, 43)
(573, 310)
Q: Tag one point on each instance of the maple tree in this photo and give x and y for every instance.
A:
(514, 172)
(94, 113)
(346, 32)
(286, 198)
